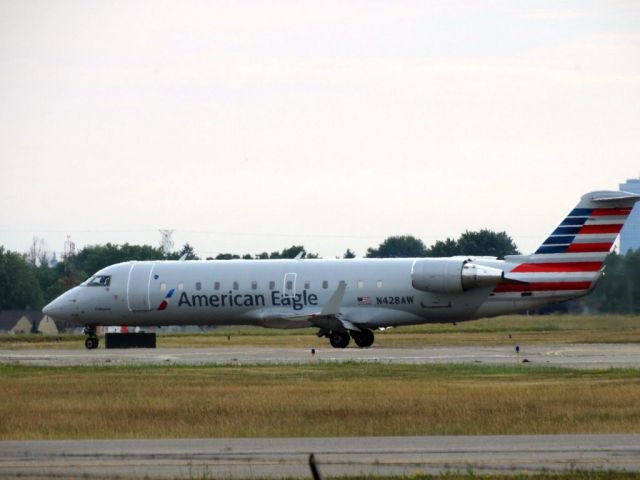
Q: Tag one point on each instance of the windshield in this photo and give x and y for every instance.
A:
(99, 281)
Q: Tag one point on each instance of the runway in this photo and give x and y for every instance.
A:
(280, 457)
(570, 355)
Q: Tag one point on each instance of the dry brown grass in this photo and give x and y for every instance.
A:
(313, 400)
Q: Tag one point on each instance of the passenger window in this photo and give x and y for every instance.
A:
(289, 285)
(325, 284)
(163, 287)
(254, 285)
(198, 286)
(360, 284)
(272, 285)
(180, 286)
(379, 283)
(307, 285)
(236, 286)
(216, 285)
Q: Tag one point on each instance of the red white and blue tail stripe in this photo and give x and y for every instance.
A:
(569, 262)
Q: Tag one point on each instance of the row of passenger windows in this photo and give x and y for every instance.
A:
(272, 285)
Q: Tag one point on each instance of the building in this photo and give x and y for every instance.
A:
(20, 322)
(630, 234)
(47, 326)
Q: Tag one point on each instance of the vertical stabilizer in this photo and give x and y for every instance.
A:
(571, 258)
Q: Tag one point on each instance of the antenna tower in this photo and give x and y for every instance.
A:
(166, 242)
(69, 248)
(69, 252)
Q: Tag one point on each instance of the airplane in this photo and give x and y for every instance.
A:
(348, 299)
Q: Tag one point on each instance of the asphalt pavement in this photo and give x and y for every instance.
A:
(571, 355)
(280, 457)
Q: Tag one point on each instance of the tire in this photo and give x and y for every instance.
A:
(339, 339)
(91, 343)
(363, 339)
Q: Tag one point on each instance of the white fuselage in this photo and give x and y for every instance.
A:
(279, 293)
(349, 298)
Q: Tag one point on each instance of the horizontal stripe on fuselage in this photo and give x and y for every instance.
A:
(565, 257)
(538, 277)
(558, 267)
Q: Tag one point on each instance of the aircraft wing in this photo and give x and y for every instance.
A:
(329, 317)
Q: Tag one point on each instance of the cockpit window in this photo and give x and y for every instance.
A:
(99, 281)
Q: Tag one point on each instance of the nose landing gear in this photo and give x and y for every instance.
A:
(91, 341)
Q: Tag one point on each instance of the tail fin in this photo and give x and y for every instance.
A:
(570, 259)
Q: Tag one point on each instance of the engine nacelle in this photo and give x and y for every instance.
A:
(452, 275)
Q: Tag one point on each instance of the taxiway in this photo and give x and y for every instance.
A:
(570, 355)
(281, 457)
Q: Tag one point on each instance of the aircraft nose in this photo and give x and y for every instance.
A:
(62, 307)
(50, 309)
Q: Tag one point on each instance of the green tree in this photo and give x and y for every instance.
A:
(403, 246)
(93, 258)
(349, 254)
(50, 280)
(292, 252)
(447, 248)
(478, 243)
(227, 256)
(487, 242)
(187, 250)
(19, 287)
(618, 290)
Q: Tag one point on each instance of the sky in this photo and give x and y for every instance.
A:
(252, 126)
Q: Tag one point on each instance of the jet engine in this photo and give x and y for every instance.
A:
(452, 275)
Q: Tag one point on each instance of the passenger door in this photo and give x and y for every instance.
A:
(138, 287)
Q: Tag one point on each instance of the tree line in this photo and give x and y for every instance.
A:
(29, 281)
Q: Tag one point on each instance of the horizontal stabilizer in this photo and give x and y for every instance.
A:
(613, 196)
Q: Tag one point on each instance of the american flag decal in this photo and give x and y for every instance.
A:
(364, 300)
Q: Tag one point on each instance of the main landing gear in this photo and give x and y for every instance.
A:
(91, 341)
(339, 339)
(364, 338)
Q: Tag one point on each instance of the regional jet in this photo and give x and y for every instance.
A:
(348, 299)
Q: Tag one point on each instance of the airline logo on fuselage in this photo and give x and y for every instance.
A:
(164, 304)
(231, 299)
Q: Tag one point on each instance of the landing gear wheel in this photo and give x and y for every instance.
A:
(91, 343)
(339, 339)
(363, 339)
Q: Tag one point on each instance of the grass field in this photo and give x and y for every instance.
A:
(548, 329)
(313, 400)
